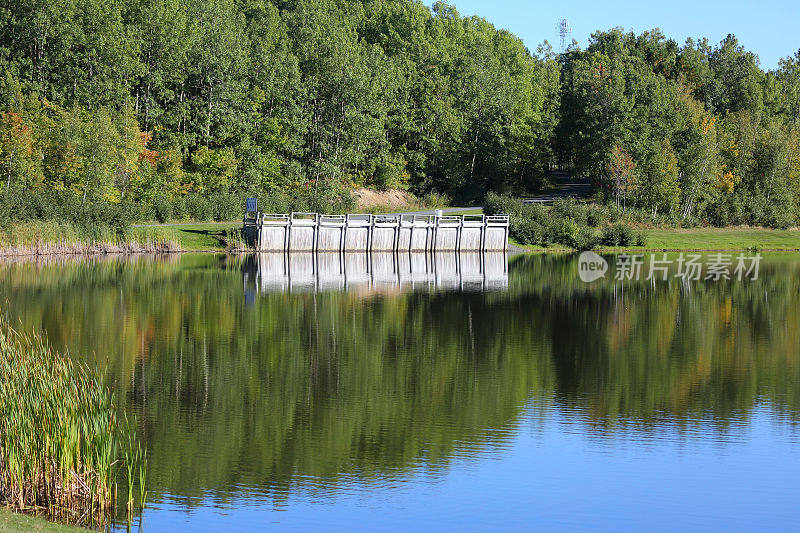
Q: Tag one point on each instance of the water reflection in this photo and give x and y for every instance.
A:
(395, 272)
(316, 391)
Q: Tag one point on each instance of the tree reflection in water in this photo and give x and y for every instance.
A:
(302, 387)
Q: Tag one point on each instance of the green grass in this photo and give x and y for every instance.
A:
(209, 236)
(11, 522)
(700, 239)
(197, 237)
(478, 211)
(214, 237)
(26, 234)
(722, 239)
(553, 248)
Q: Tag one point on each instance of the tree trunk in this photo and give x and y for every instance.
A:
(10, 164)
(474, 153)
(85, 189)
(183, 118)
(208, 120)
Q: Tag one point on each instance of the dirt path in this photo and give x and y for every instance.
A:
(564, 187)
(445, 211)
(178, 224)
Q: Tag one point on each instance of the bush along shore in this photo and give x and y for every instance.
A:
(63, 448)
(567, 223)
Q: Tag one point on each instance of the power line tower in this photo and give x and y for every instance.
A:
(564, 33)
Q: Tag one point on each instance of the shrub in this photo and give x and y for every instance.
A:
(162, 208)
(198, 207)
(528, 231)
(226, 206)
(596, 216)
(327, 197)
(618, 234)
(434, 200)
(567, 222)
(570, 208)
(275, 202)
(586, 239)
(627, 237)
(496, 204)
(537, 212)
(565, 231)
(179, 211)
(689, 222)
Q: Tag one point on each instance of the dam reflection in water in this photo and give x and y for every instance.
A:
(451, 271)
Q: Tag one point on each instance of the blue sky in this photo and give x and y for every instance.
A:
(769, 28)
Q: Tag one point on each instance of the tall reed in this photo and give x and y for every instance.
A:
(42, 237)
(61, 445)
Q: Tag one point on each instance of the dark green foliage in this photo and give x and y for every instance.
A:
(586, 238)
(528, 231)
(93, 220)
(198, 207)
(184, 108)
(565, 222)
(692, 134)
(326, 199)
(226, 206)
(498, 204)
(162, 208)
(618, 235)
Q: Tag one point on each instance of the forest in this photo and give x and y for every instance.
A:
(129, 110)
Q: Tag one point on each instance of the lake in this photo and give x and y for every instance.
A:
(399, 392)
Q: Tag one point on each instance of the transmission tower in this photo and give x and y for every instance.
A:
(564, 33)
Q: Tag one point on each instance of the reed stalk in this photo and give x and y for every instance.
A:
(61, 445)
(43, 238)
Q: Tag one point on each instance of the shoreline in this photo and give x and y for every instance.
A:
(513, 250)
(220, 238)
(88, 249)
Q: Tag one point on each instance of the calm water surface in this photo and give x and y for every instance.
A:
(435, 393)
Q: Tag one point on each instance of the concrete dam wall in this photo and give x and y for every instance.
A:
(313, 232)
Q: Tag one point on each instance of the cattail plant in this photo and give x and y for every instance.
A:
(61, 446)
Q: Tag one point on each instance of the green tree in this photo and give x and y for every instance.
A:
(18, 157)
(658, 189)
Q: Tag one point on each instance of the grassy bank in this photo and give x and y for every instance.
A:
(62, 447)
(213, 237)
(195, 237)
(65, 238)
(722, 239)
(11, 522)
(573, 225)
(42, 238)
(60, 238)
(700, 239)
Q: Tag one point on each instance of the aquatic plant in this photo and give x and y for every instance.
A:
(61, 444)
(42, 238)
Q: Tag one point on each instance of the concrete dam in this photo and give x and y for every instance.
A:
(313, 232)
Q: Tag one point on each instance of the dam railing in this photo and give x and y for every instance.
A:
(314, 232)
